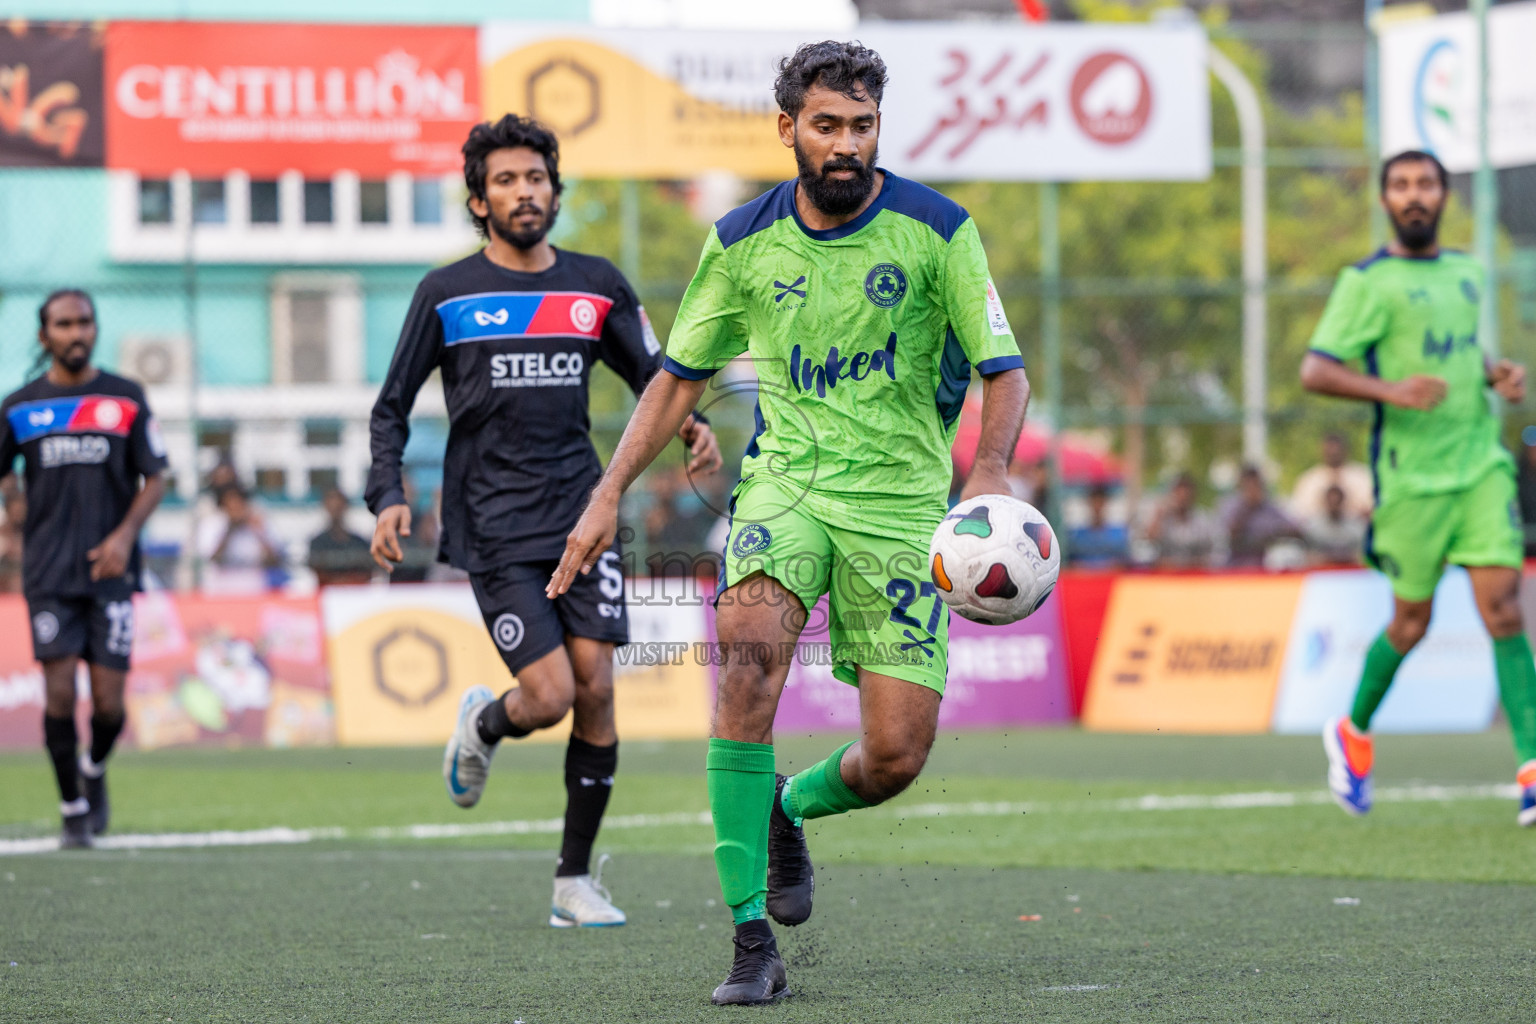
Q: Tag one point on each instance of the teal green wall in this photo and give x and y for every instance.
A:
(54, 227)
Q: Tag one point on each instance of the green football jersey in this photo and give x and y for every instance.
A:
(1404, 317)
(862, 339)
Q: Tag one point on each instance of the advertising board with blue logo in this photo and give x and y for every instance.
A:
(1445, 685)
(1429, 87)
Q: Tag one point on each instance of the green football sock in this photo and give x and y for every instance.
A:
(1381, 663)
(741, 781)
(1517, 691)
(820, 790)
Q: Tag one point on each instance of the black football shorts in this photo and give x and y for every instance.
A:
(98, 629)
(526, 625)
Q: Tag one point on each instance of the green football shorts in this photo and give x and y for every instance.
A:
(1412, 539)
(883, 612)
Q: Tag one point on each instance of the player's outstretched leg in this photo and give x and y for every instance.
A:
(1350, 757)
(467, 757)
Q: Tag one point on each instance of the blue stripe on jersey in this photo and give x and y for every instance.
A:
(31, 420)
(677, 369)
(997, 364)
(913, 199)
(954, 379)
(487, 315)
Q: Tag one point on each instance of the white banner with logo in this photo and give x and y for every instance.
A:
(1429, 87)
(963, 101)
(1446, 684)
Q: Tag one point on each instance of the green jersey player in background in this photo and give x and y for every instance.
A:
(1445, 484)
(863, 300)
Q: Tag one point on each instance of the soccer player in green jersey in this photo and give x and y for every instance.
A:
(864, 302)
(1445, 485)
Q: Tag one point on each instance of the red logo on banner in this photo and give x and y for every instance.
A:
(1111, 98)
(208, 98)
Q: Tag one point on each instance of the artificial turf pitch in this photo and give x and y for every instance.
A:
(1026, 877)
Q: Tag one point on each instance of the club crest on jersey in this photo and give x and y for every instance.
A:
(885, 284)
(750, 539)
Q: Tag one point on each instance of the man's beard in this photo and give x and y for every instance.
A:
(520, 239)
(1420, 235)
(833, 196)
(74, 358)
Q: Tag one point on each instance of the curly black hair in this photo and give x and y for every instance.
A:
(852, 69)
(43, 358)
(511, 132)
(1414, 156)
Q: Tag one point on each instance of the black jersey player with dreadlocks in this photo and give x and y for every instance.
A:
(94, 470)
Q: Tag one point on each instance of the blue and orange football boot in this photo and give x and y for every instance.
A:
(1350, 756)
(1525, 778)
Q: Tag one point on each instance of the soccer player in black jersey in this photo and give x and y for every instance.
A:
(94, 469)
(515, 330)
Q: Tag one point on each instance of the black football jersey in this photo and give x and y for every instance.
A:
(85, 449)
(516, 351)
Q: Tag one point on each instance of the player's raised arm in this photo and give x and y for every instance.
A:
(417, 353)
(664, 405)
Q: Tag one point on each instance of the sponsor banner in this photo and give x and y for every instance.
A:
(50, 94)
(1084, 597)
(210, 97)
(1429, 87)
(998, 676)
(1445, 685)
(401, 656)
(219, 672)
(1191, 654)
(963, 101)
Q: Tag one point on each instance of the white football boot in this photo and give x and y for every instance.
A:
(467, 758)
(581, 901)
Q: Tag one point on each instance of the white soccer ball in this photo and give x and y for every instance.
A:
(994, 559)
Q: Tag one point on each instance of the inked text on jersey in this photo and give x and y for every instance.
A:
(805, 373)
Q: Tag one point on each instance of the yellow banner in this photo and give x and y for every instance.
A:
(1191, 655)
(618, 118)
(400, 658)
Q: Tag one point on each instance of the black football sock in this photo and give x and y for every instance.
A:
(493, 723)
(60, 738)
(105, 729)
(588, 783)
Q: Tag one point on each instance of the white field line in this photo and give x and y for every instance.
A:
(279, 836)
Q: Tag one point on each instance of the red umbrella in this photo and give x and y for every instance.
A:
(1081, 463)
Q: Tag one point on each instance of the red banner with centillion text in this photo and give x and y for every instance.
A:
(210, 97)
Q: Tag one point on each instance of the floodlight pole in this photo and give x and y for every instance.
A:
(1485, 195)
(1250, 123)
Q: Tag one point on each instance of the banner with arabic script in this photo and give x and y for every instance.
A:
(963, 101)
(50, 94)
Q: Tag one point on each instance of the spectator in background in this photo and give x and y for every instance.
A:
(1335, 537)
(1032, 483)
(336, 554)
(241, 555)
(420, 545)
(1526, 483)
(1101, 544)
(1309, 498)
(1183, 535)
(1253, 522)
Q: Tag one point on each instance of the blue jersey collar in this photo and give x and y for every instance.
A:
(844, 230)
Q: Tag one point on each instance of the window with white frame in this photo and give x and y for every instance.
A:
(317, 329)
(289, 218)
